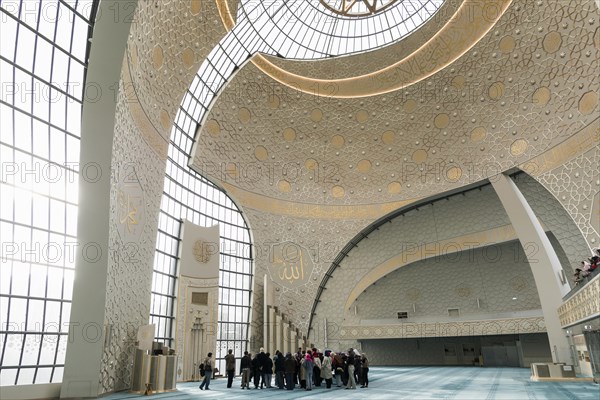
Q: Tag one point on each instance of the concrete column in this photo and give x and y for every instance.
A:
(271, 342)
(83, 360)
(299, 341)
(544, 262)
(286, 339)
(266, 303)
(293, 340)
(278, 338)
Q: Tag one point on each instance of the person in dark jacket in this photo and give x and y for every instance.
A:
(262, 362)
(279, 369)
(256, 371)
(365, 371)
(358, 369)
(267, 371)
(230, 367)
(245, 368)
(350, 364)
(289, 366)
(337, 368)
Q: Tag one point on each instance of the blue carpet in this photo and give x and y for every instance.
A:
(414, 383)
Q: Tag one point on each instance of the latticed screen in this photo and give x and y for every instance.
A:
(200, 298)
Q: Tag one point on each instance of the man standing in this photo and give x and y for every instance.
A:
(279, 370)
(267, 371)
(262, 365)
(230, 367)
(245, 365)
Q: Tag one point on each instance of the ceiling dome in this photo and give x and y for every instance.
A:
(303, 29)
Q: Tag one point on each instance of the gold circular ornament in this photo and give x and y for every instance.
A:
(518, 147)
(316, 115)
(311, 164)
(454, 174)
(362, 116)
(478, 134)
(541, 96)
(284, 186)
(289, 134)
(244, 115)
(188, 57)
(588, 102)
(394, 188)
(261, 153)
(338, 141)
(338, 192)
(419, 156)
(201, 253)
(364, 165)
(213, 127)
(388, 137)
(441, 121)
(496, 90)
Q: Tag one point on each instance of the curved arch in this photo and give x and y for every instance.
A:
(449, 246)
(375, 226)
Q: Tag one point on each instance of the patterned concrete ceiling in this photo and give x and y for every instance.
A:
(525, 87)
(315, 169)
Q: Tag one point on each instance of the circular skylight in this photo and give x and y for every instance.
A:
(312, 29)
(357, 7)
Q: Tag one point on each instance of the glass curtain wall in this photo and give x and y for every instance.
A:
(43, 56)
(187, 195)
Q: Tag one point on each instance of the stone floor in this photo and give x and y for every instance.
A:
(418, 383)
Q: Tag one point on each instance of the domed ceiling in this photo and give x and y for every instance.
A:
(314, 151)
(511, 97)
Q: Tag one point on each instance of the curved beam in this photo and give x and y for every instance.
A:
(473, 20)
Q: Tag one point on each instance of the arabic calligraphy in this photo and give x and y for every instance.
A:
(291, 271)
(128, 210)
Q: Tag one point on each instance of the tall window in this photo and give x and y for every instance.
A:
(187, 195)
(43, 53)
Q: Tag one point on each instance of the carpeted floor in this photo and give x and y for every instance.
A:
(414, 383)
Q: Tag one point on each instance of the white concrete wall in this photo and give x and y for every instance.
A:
(493, 274)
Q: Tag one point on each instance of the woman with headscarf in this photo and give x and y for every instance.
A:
(308, 365)
(326, 369)
(337, 367)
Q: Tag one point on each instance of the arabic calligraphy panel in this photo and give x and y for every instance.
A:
(291, 264)
(130, 205)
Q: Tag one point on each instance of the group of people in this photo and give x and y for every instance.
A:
(589, 267)
(308, 369)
